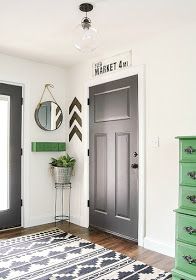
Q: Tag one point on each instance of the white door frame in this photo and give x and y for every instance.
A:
(135, 70)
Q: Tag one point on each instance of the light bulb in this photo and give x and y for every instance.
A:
(85, 37)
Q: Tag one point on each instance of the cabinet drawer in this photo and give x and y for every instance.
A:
(188, 150)
(188, 174)
(181, 276)
(186, 228)
(187, 197)
(186, 258)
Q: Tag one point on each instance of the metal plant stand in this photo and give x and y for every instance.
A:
(61, 187)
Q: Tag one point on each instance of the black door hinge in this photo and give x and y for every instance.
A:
(21, 203)
(21, 151)
(88, 153)
(22, 101)
(88, 101)
(88, 203)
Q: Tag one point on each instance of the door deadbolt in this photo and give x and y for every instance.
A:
(134, 165)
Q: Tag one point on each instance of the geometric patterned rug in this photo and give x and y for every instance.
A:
(54, 254)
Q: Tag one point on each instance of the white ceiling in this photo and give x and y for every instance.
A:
(42, 30)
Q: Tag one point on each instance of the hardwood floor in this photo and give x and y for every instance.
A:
(118, 244)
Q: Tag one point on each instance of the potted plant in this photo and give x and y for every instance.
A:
(62, 169)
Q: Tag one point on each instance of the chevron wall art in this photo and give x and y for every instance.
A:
(75, 128)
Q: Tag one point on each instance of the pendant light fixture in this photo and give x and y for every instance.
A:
(85, 35)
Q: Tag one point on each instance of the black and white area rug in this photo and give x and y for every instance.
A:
(55, 254)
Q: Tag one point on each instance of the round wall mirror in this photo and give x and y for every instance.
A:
(48, 115)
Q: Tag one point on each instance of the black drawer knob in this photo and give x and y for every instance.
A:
(189, 259)
(192, 198)
(189, 150)
(190, 230)
(192, 175)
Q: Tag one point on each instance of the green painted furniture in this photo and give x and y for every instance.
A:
(185, 260)
(187, 149)
(182, 276)
(187, 198)
(48, 146)
(188, 174)
(186, 225)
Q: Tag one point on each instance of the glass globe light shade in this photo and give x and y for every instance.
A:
(85, 38)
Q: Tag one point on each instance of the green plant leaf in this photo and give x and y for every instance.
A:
(63, 161)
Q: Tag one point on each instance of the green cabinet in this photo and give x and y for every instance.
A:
(188, 174)
(187, 148)
(181, 276)
(185, 259)
(186, 225)
(187, 197)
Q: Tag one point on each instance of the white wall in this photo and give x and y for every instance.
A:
(38, 192)
(170, 111)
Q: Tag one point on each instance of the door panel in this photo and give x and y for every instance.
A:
(100, 197)
(10, 216)
(122, 171)
(113, 126)
(105, 102)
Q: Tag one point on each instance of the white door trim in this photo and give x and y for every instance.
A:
(136, 70)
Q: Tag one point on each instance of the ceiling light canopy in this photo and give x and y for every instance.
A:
(85, 34)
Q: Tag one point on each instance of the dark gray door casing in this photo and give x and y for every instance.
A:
(113, 121)
(12, 216)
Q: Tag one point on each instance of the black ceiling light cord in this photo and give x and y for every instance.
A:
(86, 7)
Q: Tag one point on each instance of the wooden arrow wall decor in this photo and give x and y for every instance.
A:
(75, 118)
(76, 131)
(76, 103)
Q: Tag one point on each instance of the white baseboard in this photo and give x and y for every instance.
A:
(75, 220)
(36, 221)
(159, 247)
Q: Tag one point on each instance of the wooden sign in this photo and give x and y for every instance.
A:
(75, 118)
(112, 64)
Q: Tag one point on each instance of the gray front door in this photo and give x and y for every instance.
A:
(10, 151)
(113, 119)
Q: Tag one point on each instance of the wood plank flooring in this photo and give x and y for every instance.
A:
(109, 241)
